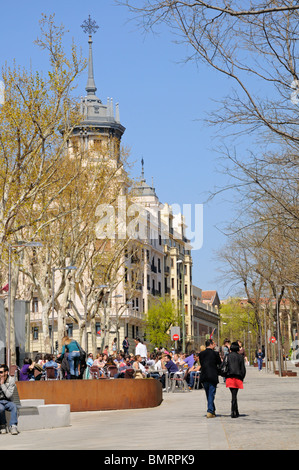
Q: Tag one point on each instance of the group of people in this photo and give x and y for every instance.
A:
(69, 364)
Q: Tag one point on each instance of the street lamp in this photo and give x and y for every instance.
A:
(183, 303)
(117, 296)
(10, 248)
(53, 299)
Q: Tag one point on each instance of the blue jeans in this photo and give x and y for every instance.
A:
(193, 374)
(260, 363)
(73, 359)
(8, 406)
(210, 390)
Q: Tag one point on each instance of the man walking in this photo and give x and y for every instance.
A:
(7, 385)
(126, 345)
(209, 361)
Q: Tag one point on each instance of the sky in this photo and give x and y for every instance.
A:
(162, 102)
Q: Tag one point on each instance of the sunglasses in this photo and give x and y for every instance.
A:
(1, 371)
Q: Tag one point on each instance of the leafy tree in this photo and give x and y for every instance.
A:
(162, 314)
(235, 318)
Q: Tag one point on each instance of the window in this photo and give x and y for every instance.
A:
(35, 333)
(98, 328)
(35, 304)
(70, 328)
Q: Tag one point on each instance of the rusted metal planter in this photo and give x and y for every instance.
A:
(286, 373)
(93, 395)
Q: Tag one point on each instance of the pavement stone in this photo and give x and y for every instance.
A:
(269, 420)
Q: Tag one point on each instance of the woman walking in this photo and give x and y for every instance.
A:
(235, 376)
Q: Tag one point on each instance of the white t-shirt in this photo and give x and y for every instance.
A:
(141, 350)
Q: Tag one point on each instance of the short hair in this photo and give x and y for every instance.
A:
(209, 342)
(235, 347)
(5, 367)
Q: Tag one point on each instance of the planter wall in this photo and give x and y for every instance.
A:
(92, 395)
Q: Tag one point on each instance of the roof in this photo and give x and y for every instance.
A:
(210, 296)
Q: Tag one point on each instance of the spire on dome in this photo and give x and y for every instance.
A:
(89, 26)
(142, 170)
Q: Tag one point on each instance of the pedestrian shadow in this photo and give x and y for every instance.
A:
(228, 415)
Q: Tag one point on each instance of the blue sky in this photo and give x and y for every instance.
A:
(162, 103)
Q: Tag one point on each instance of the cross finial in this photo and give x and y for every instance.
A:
(89, 26)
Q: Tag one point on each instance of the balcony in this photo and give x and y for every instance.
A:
(153, 268)
(156, 292)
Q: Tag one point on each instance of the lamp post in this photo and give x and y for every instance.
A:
(117, 296)
(53, 298)
(10, 248)
(183, 304)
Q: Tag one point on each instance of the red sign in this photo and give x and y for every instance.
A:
(175, 337)
(99, 332)
(273, 339)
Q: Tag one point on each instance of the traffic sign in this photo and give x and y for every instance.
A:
(273, 339)
(175, 333)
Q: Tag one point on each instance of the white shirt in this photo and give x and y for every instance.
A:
(141, 350)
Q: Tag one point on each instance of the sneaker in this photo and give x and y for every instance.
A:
(211, 415)
(3, 430)
(14, 430)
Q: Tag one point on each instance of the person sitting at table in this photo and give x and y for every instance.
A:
(193, 372)
(169, 366)
(158, 364)
(51, 363)
(123, 366)
(139, 368)
(99, 361)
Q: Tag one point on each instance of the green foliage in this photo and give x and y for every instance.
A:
(234, 320)
(162, 314)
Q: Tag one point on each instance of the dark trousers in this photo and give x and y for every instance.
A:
(234, 408)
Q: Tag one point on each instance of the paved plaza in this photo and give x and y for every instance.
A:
(269, 420)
